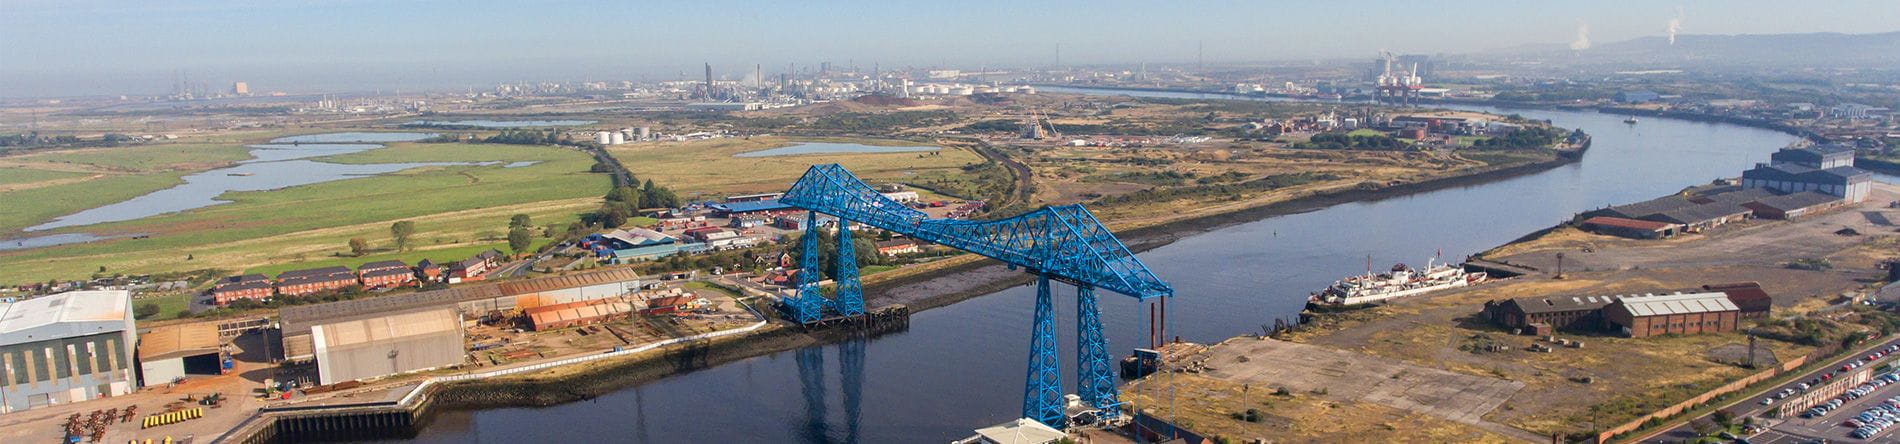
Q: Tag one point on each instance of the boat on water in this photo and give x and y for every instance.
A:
(1400, 281)
(1631, 120)
(238, 174)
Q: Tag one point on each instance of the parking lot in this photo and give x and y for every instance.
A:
(1880, 393)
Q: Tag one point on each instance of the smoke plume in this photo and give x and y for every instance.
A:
(1675, 26)
(1583, 37)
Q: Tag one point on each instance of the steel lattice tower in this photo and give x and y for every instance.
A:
(805, 308)
(848, 300)
(1042, 395)
(1095, 379)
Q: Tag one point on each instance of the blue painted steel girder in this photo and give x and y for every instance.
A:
(805, 306)
(1042, 394)
(1064, 241)
(1095, 378)
(848, 300)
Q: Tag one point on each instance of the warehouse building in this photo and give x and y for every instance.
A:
(300, 321)
(170, 353)
(386, 345)
(1539, 315)
(577, 313)
(1827, 169)
(470, 301)
(1795, 205)
(1630, 228)
(1747, 297)
(67, 347)
(1651, 315)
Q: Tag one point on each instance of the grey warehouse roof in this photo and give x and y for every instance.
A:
(1678, 304)
(64, 315)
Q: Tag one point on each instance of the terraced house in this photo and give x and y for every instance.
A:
(314, 280)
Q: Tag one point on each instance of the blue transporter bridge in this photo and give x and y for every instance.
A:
(1062, 243)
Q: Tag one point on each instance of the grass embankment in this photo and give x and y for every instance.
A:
(708, 166)
(452, 206)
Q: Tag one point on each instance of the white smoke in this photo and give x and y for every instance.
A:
(1675, 26)
(1583, 37)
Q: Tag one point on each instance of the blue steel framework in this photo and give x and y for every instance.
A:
(1064, 243)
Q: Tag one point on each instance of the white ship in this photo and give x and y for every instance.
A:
(1400, 282)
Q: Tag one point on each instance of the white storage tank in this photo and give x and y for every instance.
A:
(615, 138)
(602, 138)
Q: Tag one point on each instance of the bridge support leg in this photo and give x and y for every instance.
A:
(1042, 395)
(1095, 381)
(805, 307)
(848, 301)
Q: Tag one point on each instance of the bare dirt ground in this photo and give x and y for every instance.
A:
(1612, 379)
(1759, 242)
(1340, 375)
(46, 424)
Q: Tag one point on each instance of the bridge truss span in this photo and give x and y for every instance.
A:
(1064, 243)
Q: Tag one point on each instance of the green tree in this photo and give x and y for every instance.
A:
(358, 246)
(519, 240)
(145, 310)
(400, 231)
(520, 221)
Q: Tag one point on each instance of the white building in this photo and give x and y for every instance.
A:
(67, 347)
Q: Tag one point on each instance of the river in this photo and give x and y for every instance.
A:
(282, 163)
(961, 367)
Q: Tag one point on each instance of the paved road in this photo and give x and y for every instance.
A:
(1751, 405)
(1830, 427)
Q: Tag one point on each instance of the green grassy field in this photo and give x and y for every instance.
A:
(451, 205)
(707, 166)
(145, 158)
(168, 306)
(33, 206)
(1365, 132)
(10, 176)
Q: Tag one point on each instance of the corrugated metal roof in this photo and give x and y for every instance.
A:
(173, 341)
(1612, 221)
(390, 328)
(64, 315)
(537, 285)
(1797, 201)
(1678, 304)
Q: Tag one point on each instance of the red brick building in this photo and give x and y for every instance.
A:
(1651, 315)
(315, 280)
(388, 278)
(1747, 296)
(233, 288)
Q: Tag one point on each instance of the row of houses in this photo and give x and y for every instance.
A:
(373, 275)
(1715, 308)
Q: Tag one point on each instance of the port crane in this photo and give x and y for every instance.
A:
(1063, 243)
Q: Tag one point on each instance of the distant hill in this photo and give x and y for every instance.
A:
(1810, 49)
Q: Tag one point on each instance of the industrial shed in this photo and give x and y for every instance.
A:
(172, 352)
(298, 321)
(1795, 205)
(1630, 228)
(67, 347)
(387, 345)
(1539, 314)
(1651, 315)
(578, 313)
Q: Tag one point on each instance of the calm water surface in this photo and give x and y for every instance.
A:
(274, 165)
(961, 367)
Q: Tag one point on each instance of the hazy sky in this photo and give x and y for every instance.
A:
(75, 47)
